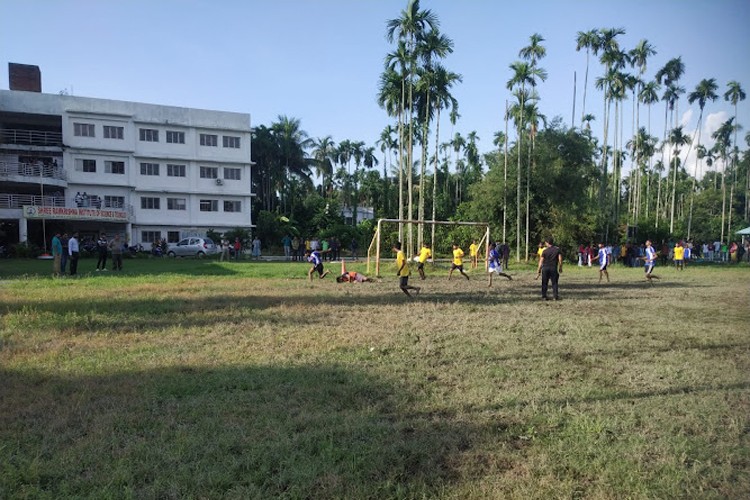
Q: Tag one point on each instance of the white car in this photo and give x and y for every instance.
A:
(193, 247)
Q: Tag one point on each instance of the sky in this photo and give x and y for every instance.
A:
(319, 61)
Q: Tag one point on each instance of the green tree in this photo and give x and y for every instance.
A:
(588, 40)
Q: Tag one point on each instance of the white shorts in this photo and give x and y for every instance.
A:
(498, 269)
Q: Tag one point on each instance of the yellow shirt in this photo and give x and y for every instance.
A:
(458, 256)
(401, 261)
(539, 252)
(679, 253)
(473, 249)
(424, 254)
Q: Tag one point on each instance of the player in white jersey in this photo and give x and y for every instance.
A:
(603, 258)
(495, 265)
(650, 259)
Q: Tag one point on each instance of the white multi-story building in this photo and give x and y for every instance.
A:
(145, 171)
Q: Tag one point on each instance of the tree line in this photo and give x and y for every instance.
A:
(545, 178)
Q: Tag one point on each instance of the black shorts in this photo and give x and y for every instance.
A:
(460, 268)
(403, 281)
(420, 265)
(319, 269)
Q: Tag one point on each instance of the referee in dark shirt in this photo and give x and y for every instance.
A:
(550, 267)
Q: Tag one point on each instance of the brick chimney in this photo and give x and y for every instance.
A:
(24, 77)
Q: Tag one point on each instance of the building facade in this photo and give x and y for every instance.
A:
(145, 171)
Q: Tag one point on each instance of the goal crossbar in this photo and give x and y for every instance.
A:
(376, 237)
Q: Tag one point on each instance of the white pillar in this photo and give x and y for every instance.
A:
(23, 230)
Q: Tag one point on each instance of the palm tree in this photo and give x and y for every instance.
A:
(677, 139)
(410, 27)
(705, 91)
(324, 151)
(387, 144)
(668, 76)
(638, 59)
(648, 96)
(735, 94)
(391, 97)
(523, 74)
(292, 142)
(722, 136)
(588, 40)
(459, 144)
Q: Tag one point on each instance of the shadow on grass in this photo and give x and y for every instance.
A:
(246, 432)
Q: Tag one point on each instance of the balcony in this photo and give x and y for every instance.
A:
(18, 201)
(32, 172)
(30, 137)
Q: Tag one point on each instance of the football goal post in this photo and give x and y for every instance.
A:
(375, 248)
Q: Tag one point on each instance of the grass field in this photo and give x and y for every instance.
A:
(199, 379)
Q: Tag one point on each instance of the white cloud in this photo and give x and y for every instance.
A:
(686, 117)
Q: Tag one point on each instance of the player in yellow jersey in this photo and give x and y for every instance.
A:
(458, 261)
(679, 256)
(474, 254)
(403, 270)
(424, 254)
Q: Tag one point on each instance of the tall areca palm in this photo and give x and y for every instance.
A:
(677, 138)
(669, 75)
(705, 91)
(723, 138)
(735, 94)
(523, 74)
(639, 59)
(387, 145)
(649, 96)
(588, 40)
(292, 142)
(410, 27)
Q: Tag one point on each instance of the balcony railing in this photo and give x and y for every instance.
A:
(30, 137)
(33, 170)
(17, 201)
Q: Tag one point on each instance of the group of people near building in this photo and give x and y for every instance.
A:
(85, 200)
(67, 249)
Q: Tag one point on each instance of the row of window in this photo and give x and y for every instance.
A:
(152, 135)
(154, 203)
(155, 236)
(173, 170)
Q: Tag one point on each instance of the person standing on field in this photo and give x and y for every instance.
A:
(73, 251)
(101, 249)
(603, 258)
(56, 253)
(650, 259)
(116, 247)
(550, 267)
(474, 254)
(679, 256)
(402, 264)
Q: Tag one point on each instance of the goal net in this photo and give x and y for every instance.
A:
(376, 245)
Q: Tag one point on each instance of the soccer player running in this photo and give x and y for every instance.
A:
(550, 267)
(313, 256)
(650, 259)
(603, 258)
(458, 261)
(424, 254)
(403, 271)
(495, 264)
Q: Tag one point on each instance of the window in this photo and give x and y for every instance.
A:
(149, 135)
(209, 173)
(176, 204)
(232, 206)
(114, 167)
(232, 173)
(83, 130)
(231, 141)
(113, 132)
(174, 137)
(149, 169)
(209, 140)
(150, 203)
(173, 236)
(150, 236)
(86, 165)
(114, 201)
(175, 170)
(209, 205)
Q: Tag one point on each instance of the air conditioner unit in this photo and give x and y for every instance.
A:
(219, 182)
